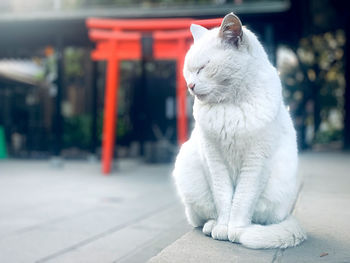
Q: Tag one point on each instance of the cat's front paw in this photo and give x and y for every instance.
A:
(208, 227)
(219, 232)
(234, 233)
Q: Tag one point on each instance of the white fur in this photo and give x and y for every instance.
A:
(197, 31)
(237, 174)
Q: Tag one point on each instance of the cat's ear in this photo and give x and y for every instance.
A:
(231, 29)
(197, 31)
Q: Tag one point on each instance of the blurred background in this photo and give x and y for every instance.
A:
(51, 92)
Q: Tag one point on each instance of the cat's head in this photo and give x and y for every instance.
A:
(220, 60)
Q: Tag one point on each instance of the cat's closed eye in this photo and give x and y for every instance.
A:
(202, 67)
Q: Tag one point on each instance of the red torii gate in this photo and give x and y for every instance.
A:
(118, 40)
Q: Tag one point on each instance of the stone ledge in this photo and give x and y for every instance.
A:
(322, 211)
(195, 247)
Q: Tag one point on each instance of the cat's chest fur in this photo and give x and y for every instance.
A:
(234, 132)
(220, 129)
(225, 125)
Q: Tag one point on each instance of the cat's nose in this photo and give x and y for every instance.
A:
(191, 86)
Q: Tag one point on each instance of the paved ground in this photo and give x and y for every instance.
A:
(74, 214)
(323, 210)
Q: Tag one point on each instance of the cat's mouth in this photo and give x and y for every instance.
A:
(201, 96)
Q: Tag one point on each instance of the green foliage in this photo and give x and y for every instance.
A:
(315, 85)
(77, 131)
(330, 135)
(73, 63)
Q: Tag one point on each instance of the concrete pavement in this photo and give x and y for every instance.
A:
(75, 214)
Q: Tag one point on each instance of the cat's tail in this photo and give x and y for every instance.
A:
(287, 233)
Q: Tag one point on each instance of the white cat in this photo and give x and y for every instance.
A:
(237, 174)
